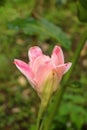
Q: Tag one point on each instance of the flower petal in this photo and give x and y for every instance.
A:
(68, 65)
(40, 61)
(42, 73)
(57, 56)
(25, 69)
(61, 69)
(33, 53)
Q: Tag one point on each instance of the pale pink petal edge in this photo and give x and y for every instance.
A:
(34, 52)
(25, 70)
(68, 65)
(57, 55)
(62, 69)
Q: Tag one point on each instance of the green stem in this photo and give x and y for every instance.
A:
(40, 114)
(76, 56)
(59, 94)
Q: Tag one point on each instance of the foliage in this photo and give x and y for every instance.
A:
(18, 31)
(73, 108)
(41, 28)
(82, 9)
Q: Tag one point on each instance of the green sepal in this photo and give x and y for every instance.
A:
(50, 85)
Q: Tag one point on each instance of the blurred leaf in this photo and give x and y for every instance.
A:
(78, 123)
(82, 12)
(4, 65)
(76, 84)
(55, 32)
(60, 2)
(15, 9)
(2, 98)
(42, 28)
(83, 3)
(33, 127)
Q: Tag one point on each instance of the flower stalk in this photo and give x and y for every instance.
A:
(40, 115)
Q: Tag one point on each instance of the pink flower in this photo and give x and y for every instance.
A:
(42, 68)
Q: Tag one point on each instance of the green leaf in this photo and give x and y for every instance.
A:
(55, 32)
(43, 29)
(82, 12)
(32, 127)
(83, 3)
(11, 10)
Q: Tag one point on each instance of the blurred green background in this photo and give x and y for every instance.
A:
(44, 23)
